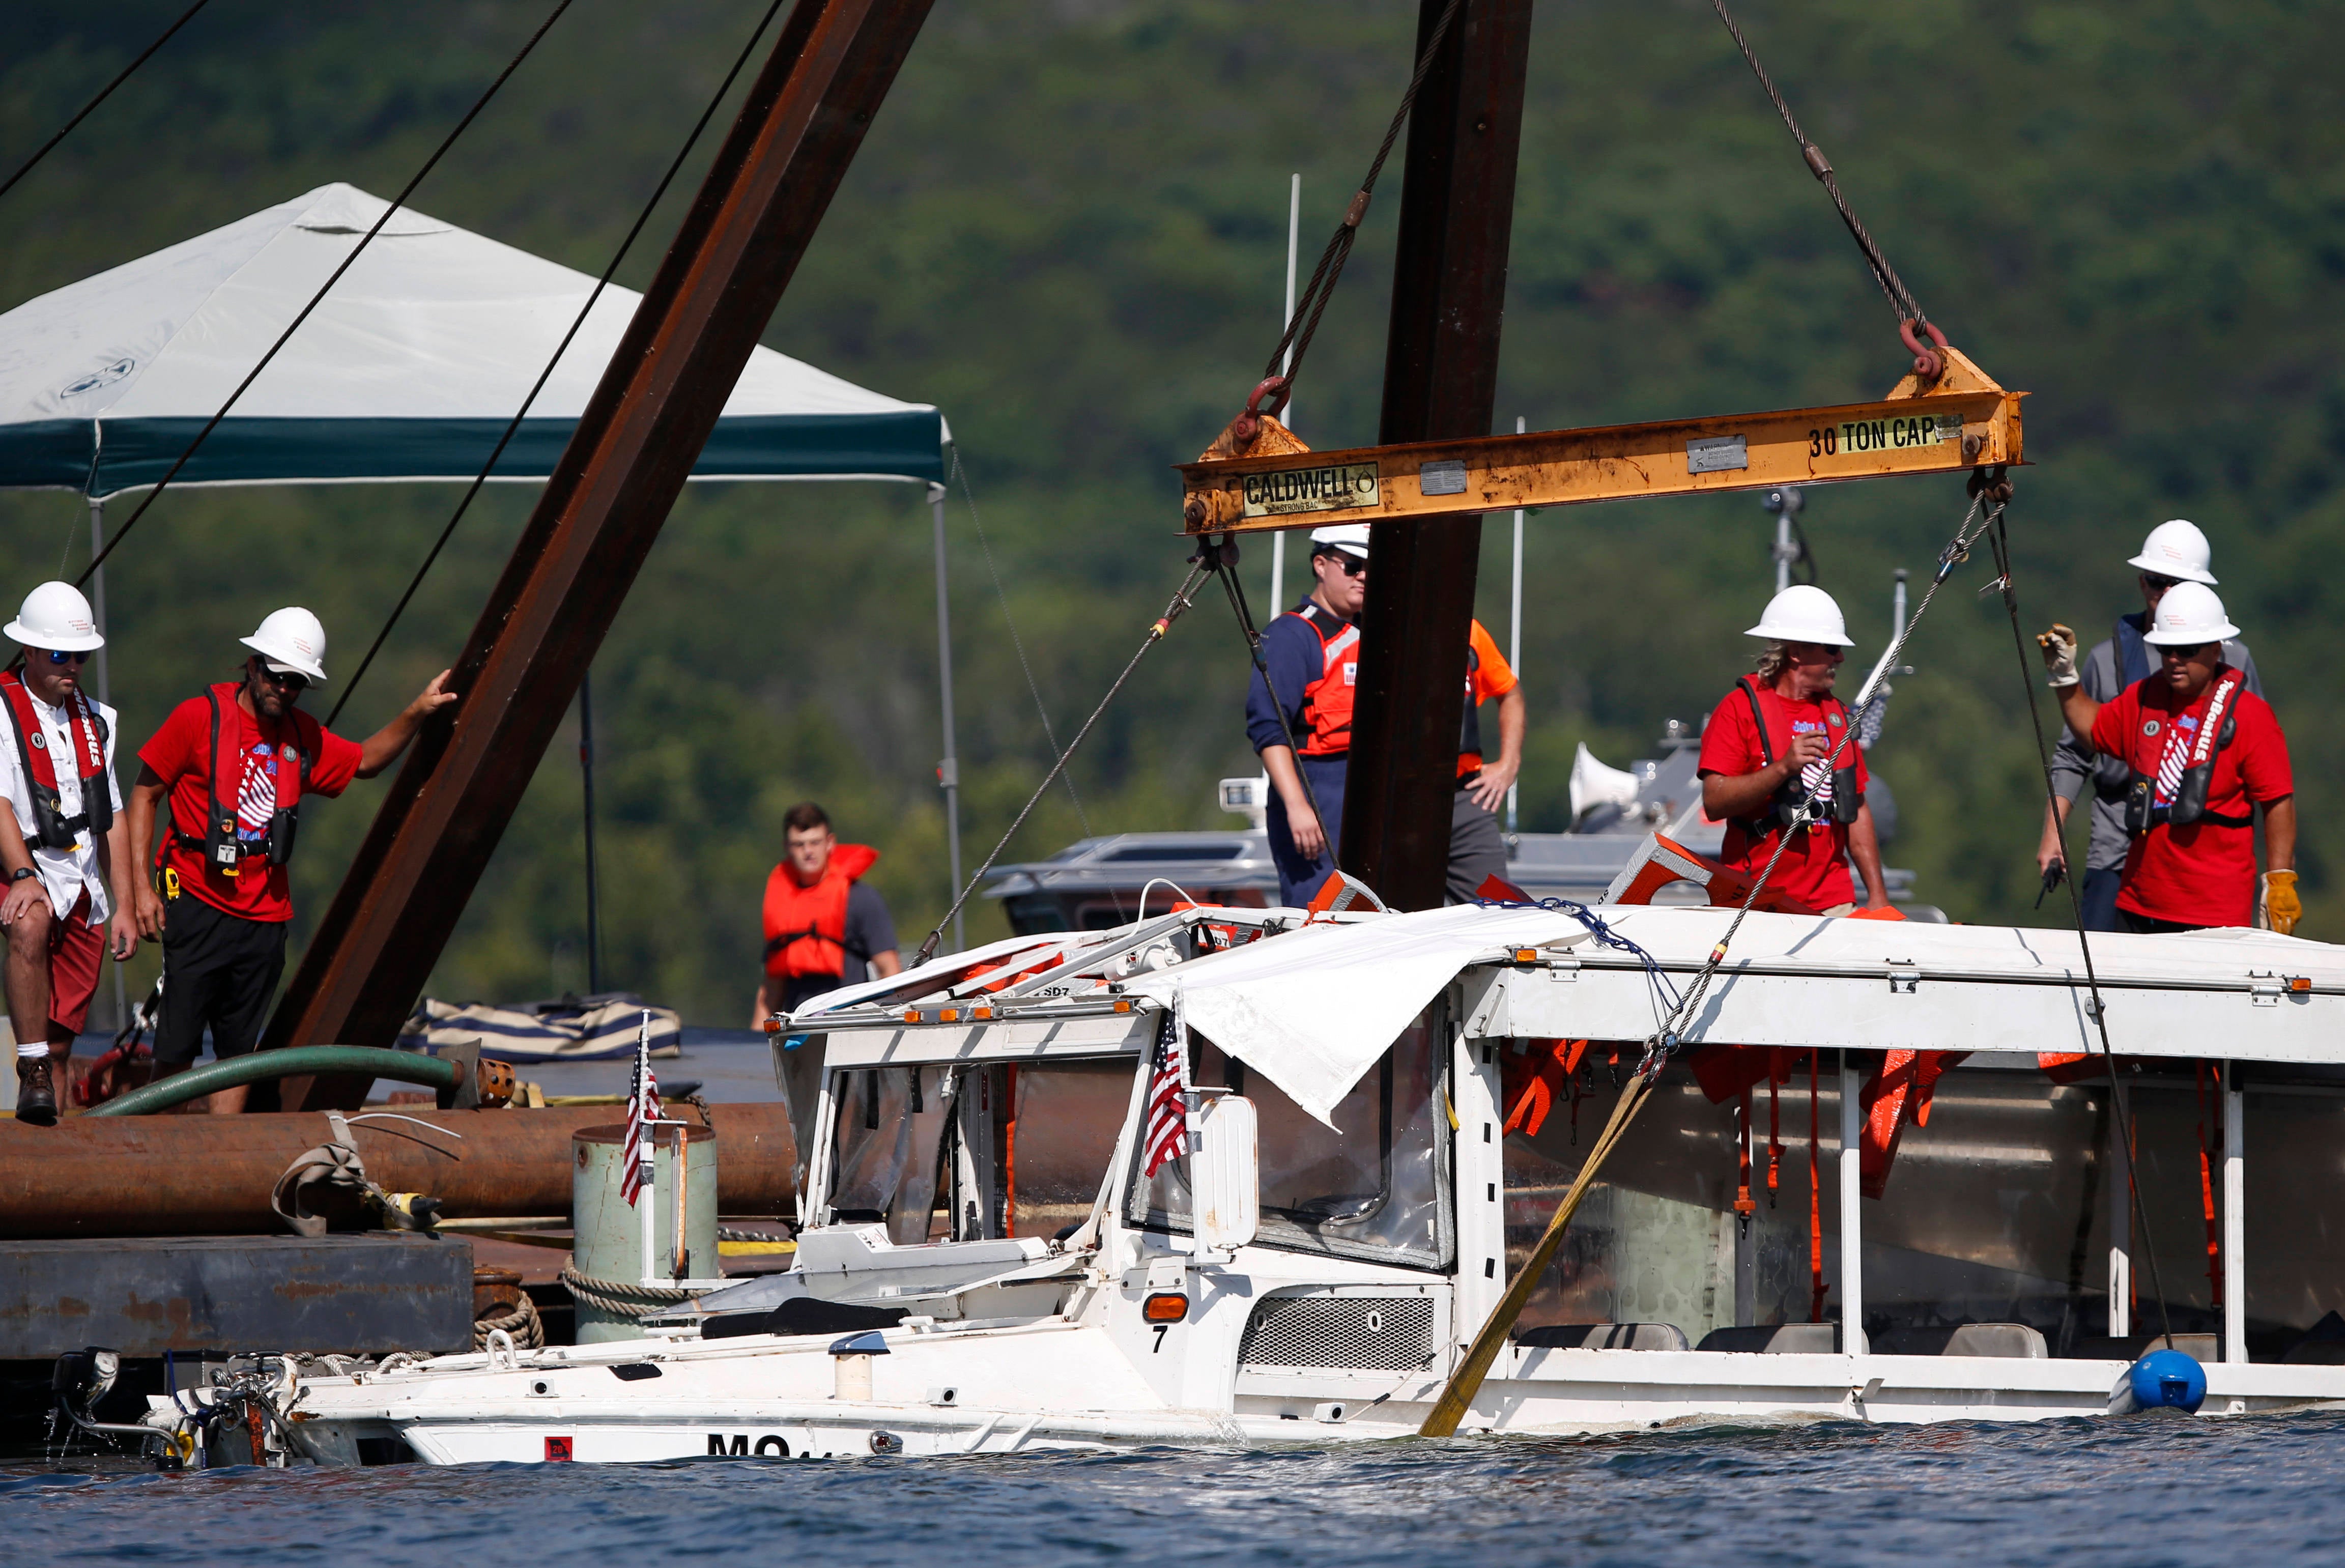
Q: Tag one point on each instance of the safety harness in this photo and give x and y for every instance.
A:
(223, 850)
(1784, 806)
(53, 829)
(2188, 806)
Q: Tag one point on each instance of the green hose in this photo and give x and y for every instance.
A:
(253, 1066)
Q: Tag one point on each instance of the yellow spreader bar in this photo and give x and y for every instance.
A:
(1945, 431)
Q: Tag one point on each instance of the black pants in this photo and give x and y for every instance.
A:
(2144, 925)
(219, 969)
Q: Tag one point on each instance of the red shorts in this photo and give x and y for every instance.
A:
(76, 949)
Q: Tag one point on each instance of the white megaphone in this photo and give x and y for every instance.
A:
(1593, 784)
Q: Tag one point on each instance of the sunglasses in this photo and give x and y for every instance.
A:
(2152, 581)
(1352, 565)
(59, 655)
(289, 680)
(2191, 652)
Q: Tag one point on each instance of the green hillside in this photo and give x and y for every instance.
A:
(1067, 229)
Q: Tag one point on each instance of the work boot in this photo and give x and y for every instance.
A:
(36, 1097)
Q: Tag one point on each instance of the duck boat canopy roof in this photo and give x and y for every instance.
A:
(1313, 1010)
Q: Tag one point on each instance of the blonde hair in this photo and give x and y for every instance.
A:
(1773, 660)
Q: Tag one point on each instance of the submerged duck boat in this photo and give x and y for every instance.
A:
(988, 1262)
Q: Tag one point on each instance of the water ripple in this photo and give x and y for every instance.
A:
(2148, 1493)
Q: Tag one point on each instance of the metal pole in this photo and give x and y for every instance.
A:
(1852, 1225)
(105, 696)
(586, 775)
(1515, 638)
(596, 520)
(2120, 1214)
(948, 770)
(1441, 377)
(2235, 1217)
(1286, 414)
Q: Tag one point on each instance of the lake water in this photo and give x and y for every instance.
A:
(2142, 1491)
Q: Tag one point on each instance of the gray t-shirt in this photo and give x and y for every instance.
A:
(869, 931)
(2115, 663)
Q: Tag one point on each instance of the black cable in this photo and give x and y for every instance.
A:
(103, 94)
(2000, 542)
(514, 427)
(397, 202)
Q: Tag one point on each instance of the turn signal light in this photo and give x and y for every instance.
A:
(2302, 983)
(1124, 1005)
(1525, 955)
(912, 1015)
(980, 1013)
(773, 1026)
(1165, 1307)
(949, 1016)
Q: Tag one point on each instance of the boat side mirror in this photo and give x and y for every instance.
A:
(1225, 1174)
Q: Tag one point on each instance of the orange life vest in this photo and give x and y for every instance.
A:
(1328, 701)
(806, 927)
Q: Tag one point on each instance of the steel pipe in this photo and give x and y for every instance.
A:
(211, 1176)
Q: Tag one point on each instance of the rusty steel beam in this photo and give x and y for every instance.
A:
(1964, 421)
(756, 213)
(1441, 377)
(211, 1176)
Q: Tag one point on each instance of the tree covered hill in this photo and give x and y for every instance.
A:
(1067, 229)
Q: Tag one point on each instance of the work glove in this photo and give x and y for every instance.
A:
(2059, 646)
(2279, 909)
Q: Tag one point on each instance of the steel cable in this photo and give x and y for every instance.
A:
(1900, 298)
(315, 299)
(513, 427)
(104, 93)
(2001, 544)
(1322, 286)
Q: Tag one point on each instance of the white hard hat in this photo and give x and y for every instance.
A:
(1349, 537)
(55, 616)
(2176, 549)
(2188, 614)
(1802, 613)
(291, 639)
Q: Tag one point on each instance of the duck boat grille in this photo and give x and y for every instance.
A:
(1361, 1333)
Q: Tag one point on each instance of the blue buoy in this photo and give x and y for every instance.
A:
(2166, 1379)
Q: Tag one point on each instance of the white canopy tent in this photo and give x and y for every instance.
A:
(410, 369)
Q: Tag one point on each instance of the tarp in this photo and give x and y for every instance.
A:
(410, 369)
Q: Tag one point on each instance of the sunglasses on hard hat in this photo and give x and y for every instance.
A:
(61, 656)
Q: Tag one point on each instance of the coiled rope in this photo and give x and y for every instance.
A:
(1671, 1035)
(621, 1298)
(521, 1321)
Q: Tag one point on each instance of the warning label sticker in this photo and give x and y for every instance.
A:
(1336, 487)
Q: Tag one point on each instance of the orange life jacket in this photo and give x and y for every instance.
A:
(1328, 701)
(806, 927)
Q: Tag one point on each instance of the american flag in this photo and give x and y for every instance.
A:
(1168, 1098)
(642, 1110)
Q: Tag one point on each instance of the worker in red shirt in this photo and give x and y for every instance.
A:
(2203, 752)
(1768, 748)
(236, 762)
